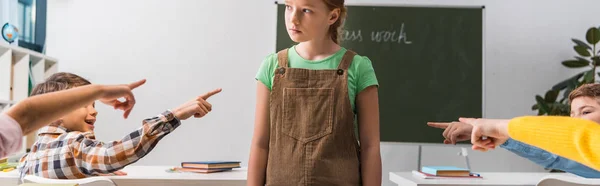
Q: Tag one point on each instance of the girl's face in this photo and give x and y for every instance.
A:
(308, 20)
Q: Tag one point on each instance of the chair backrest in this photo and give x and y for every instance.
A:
(91, 181)
(562, 180)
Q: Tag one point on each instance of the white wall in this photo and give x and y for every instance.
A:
(187, 47)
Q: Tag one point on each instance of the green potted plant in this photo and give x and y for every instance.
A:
(588, 59)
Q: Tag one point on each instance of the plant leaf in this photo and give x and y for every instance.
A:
(581, 50)
(553, 111)
(566, 94)
(574, 83)
(551, 96)
(566, 109)
(564, 84)
(571, 85)
(593, 35)
(535, 107)
(560, 109)
(583, 59)
(556, 110)
(596, 60)
(543, 106)
(581, 43)
(588, 77)
(575, 63)
(563, 99)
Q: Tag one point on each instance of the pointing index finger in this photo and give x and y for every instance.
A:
(211, 93)
(438, 125)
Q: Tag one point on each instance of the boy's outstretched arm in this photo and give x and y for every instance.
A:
(571, 138)
(35, 112)
(94, 157)
(456, 132)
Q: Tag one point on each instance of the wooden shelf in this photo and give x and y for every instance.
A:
(17, 49)
(20, 67)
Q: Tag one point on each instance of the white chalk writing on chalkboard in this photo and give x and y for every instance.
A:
(352, 35)
(390, 36)
(396, 36)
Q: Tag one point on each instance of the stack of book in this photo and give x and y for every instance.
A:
(208, 166)
(439, 172)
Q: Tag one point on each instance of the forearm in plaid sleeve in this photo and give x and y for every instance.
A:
(94, 157)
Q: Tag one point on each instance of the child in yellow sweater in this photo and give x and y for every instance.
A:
(584, 105)
(573, 138)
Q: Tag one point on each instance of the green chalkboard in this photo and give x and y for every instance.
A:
(428, 60)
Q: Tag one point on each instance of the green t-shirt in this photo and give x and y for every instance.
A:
(360, 73)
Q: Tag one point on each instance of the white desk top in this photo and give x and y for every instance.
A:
(158, 175)
(489, 178)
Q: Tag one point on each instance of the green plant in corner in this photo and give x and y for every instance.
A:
(589, 59)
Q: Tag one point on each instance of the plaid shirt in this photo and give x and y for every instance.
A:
(62, 154)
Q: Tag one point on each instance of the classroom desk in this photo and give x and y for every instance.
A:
(9, 178)
(489, 179)
(157, 175)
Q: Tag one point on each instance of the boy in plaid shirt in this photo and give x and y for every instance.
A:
(67, 148)
(34, 112)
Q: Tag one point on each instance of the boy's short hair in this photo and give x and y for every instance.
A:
(59, 81)
(587, 90)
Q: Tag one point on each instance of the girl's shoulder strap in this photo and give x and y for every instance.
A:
(282, 58)
(347, 60)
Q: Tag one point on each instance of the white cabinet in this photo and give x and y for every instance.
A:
(20, 70)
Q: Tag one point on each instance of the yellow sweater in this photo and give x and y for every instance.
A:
(572, 138)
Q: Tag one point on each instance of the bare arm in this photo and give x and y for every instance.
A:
(36, 111)
(260, 141)
(368, 121)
